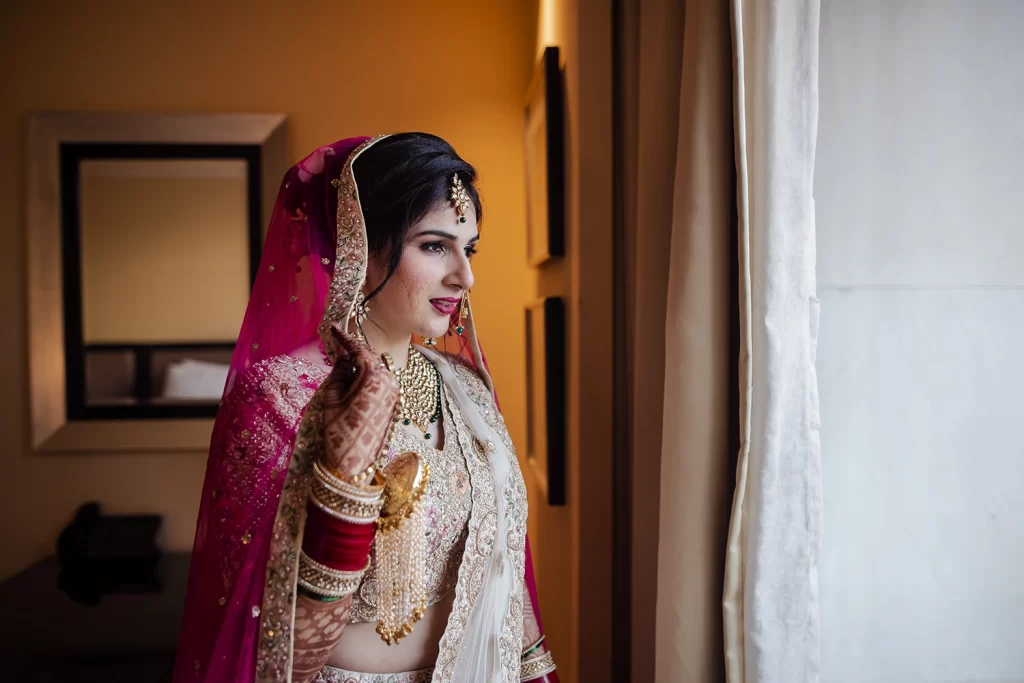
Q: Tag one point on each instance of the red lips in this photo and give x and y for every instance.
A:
(444, 306)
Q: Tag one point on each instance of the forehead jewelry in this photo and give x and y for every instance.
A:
(459, 197)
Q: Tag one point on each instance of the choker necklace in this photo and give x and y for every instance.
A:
(419, 385)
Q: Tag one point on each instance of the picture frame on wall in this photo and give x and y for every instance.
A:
(545, 161)
(545, 396)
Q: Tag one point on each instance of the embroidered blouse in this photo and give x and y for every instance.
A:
(448, 502)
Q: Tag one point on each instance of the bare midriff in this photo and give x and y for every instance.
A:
(361, 649)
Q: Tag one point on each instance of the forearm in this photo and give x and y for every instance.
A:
(537, 664)
(318, 629)
(339, 530)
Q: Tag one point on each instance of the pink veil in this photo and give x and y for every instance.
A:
(219, 636)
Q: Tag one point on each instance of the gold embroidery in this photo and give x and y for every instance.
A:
(329, 674)
(274, 658)
(481, 537)
(350, 255)
(514, 493)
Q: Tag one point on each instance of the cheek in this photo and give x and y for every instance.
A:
(417, 274)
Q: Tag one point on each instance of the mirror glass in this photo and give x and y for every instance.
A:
(159, 237)
(164, 264)
(165, 272)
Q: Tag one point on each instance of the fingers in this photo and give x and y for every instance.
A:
(355, 349)
(357, 424)
(356, 368)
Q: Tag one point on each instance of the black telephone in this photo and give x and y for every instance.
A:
(108, 554)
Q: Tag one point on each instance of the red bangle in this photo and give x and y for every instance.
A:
(336, 543)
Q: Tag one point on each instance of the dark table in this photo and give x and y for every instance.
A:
(46, 637)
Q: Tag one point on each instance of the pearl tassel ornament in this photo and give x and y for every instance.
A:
(401, 550)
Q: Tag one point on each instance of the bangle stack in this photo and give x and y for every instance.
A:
(341, 523)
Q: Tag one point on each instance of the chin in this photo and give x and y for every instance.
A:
(436, 330)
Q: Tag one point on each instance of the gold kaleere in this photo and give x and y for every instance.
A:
(400, 548)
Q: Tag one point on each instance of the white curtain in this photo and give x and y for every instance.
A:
(772, 629)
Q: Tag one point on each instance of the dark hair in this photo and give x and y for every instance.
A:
(401, 179)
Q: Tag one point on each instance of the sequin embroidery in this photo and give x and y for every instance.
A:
(332, 675)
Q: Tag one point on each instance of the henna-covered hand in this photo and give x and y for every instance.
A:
(360, 396)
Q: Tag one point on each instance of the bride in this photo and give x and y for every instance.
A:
(363, 517)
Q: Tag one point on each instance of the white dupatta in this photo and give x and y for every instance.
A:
(479, 658)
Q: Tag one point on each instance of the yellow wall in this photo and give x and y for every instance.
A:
(337, 69)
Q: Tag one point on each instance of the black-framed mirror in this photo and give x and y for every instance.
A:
(161, 243)
(144, 234)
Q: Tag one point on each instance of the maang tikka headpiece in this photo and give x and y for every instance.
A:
(460, 198)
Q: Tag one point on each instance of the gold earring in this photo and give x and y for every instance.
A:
(361, 311)
(463, 312)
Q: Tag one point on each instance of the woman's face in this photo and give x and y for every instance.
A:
(431, 277)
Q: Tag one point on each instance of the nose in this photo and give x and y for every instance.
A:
(461, 274)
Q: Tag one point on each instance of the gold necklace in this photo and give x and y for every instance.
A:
(419, 391)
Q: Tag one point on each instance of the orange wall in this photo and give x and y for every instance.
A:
(337, 69)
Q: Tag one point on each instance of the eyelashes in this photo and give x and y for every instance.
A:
(440, 249)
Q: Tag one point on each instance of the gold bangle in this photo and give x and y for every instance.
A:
(330, 583)
(537, 667)
(361, 511)
(366, 493)
(343, 514)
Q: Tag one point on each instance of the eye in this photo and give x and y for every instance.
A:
(433, 247)
(470, 251)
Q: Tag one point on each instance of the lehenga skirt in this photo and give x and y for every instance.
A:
(330, 674)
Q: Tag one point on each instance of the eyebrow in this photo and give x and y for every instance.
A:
(445, 235)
